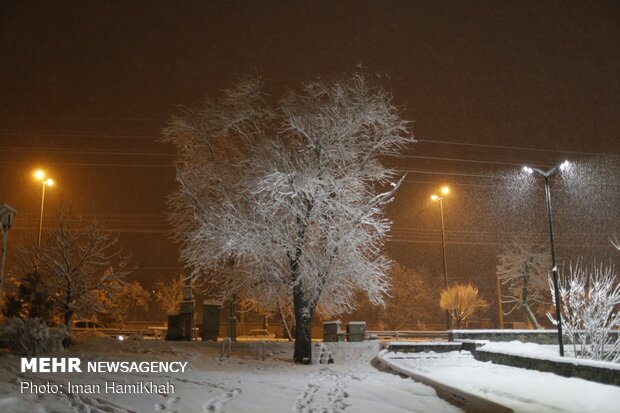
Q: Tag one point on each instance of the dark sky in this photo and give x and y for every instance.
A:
(88, 85)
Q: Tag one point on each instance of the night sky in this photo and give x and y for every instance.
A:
(88, 86)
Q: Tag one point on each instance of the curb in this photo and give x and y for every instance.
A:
(469, 402)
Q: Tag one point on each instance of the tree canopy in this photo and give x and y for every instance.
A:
(285, 203)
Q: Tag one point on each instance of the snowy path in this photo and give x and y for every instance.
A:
(229, 385)
(524, 391)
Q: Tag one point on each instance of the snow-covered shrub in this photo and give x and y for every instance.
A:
(590, 296)
(461, 301)
(31, 336)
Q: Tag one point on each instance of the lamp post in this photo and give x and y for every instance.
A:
(554, 268)
(40, 176)
(444, 191)
(7, 214)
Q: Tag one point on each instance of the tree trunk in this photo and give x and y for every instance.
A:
(68, 316)
(531, 317)
(525, 298)
(303, 328)
(284, 323)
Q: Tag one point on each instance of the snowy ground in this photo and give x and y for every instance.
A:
(220, 384)
(519, 389)
(243, 384)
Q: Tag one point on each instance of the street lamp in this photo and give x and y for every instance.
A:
(554, 268)
(444, 191)
(7, 213)
(40, 176)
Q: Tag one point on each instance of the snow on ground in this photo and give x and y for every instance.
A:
(221, 384)
(520, 389)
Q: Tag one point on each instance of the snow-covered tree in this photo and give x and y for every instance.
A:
(411, 299)
(118, 300)
(26, 295)
(590, 296)
(74, 263)
(461, 301)
(291, 195)
(169, 293)
(524, 268)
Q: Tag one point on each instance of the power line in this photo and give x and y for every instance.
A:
(476, 161)
(419, 171)
(81, 152)
(84, 118)
(82, 135)
(486, 243)
(520, 148)
(91, 164)
(425, 141)
(111, 230)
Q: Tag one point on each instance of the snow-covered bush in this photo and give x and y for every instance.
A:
(31, 336)
(461, 301)
(590, 296)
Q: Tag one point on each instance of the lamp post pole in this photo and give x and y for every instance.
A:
(40, 175)
(443, 245)
(554, 267)
(41, 215)
(445, 260)
(500, 307)
(445, 190)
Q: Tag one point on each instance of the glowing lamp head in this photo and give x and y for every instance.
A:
(39, 174)
(564, 166)
(434, 197)
(445, 190)
(528, 170)
(49, 182)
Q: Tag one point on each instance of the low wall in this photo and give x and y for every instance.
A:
(525, 336)
(423, 347)
(568, 368)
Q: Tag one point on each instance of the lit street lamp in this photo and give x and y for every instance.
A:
(40, 175)
(7, 214)
(444, 191)
(554, 268)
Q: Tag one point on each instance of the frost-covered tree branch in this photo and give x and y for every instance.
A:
(288, 194)
(590, 296)
(524, 269)
(75, 264)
